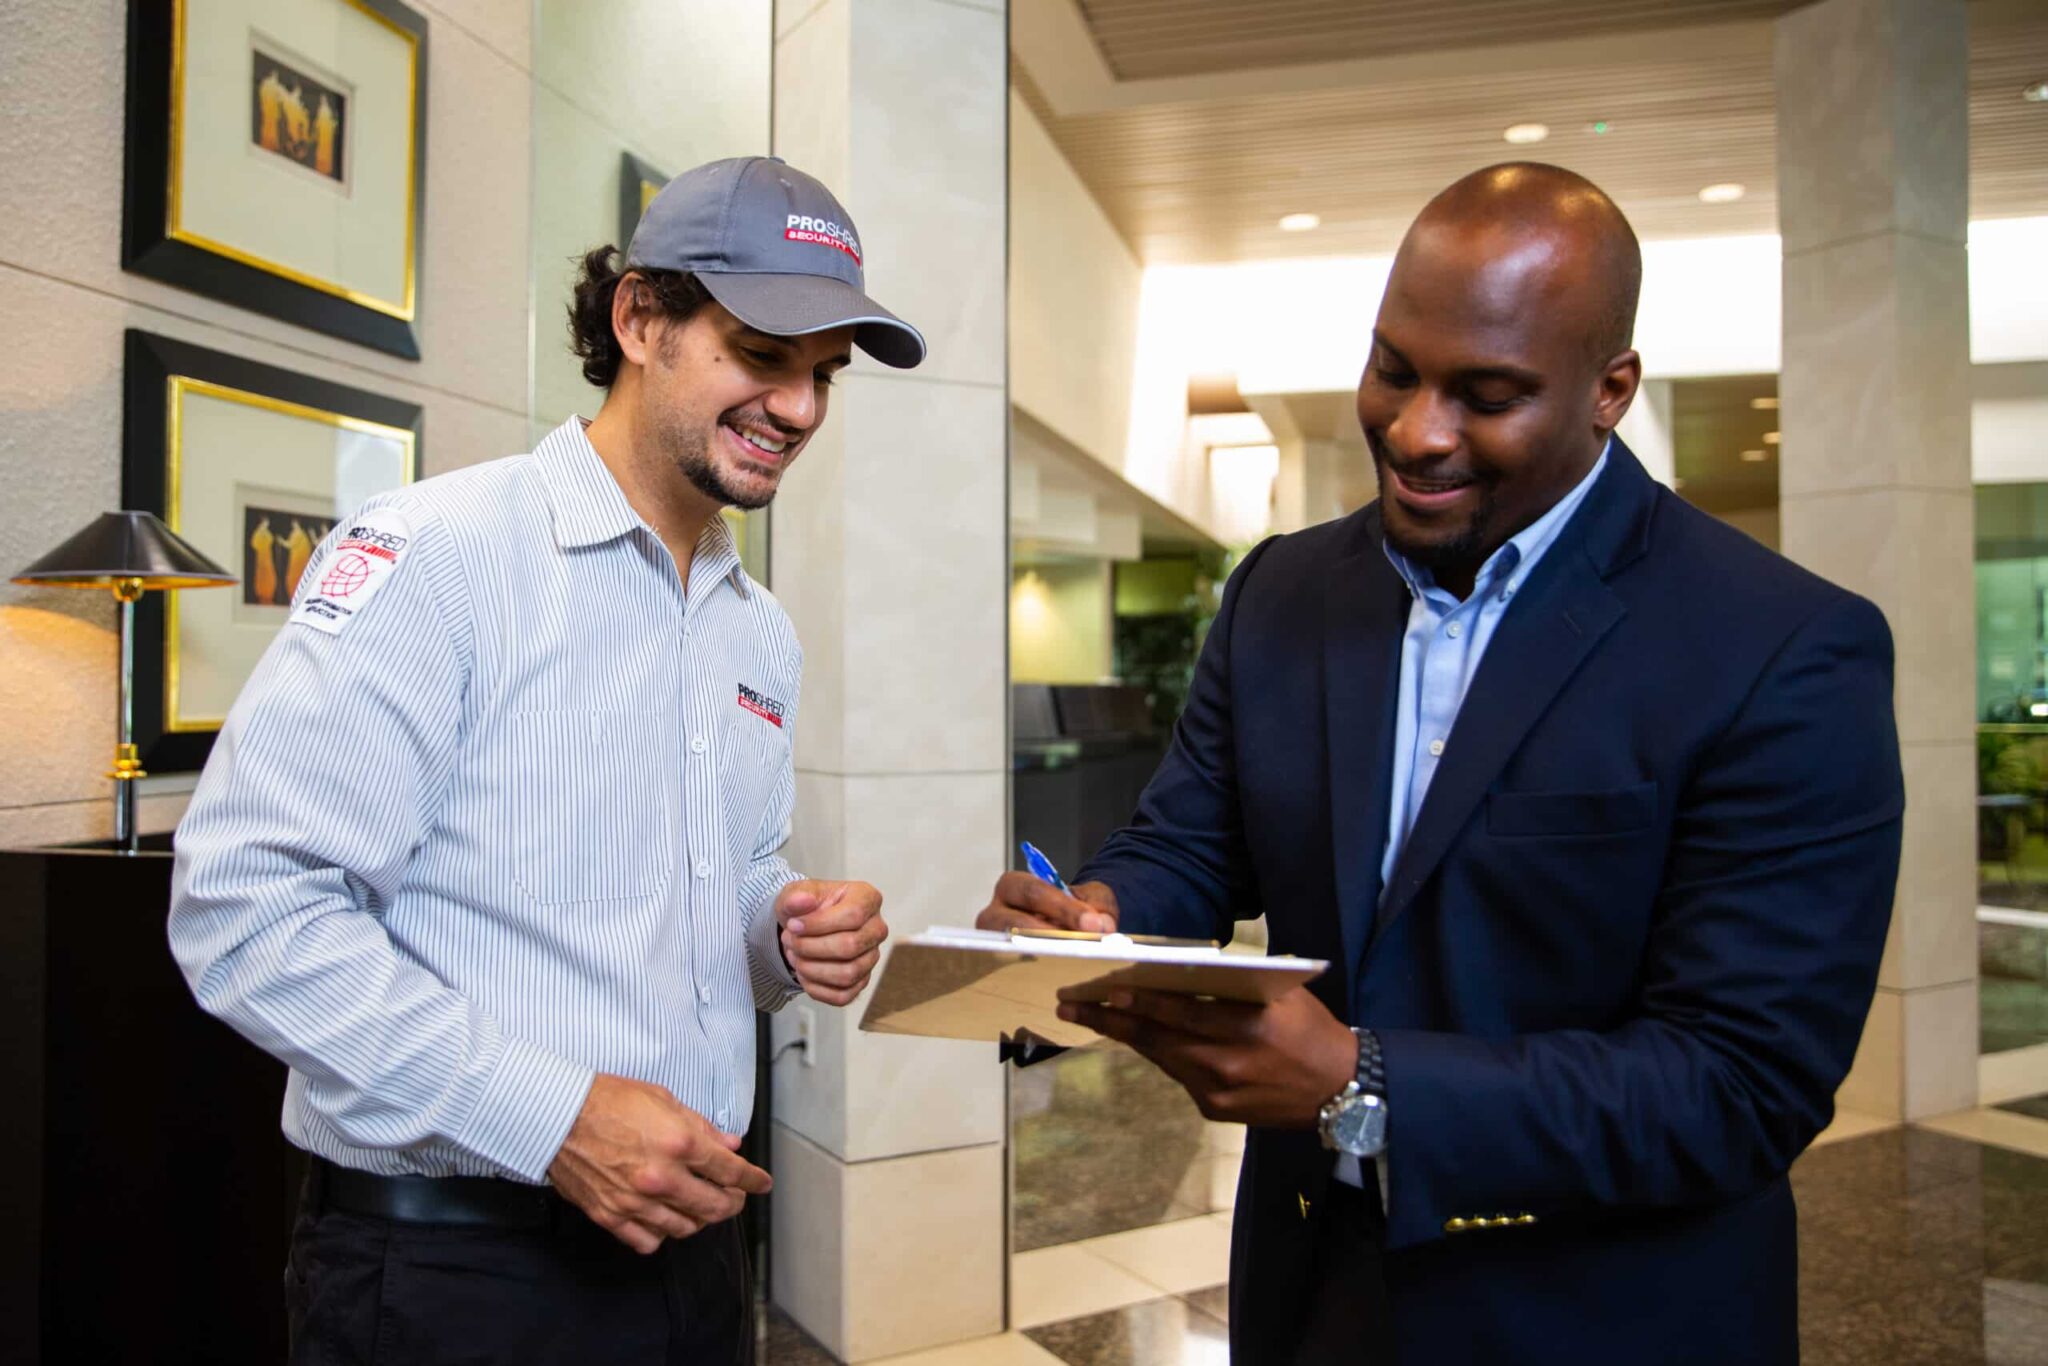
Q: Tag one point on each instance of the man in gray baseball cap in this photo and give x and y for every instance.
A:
(513, 949)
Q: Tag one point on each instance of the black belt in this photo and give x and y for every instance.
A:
(476, 1201)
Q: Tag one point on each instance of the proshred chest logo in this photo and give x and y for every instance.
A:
(822, 231)
(364, 557)
(767, 708)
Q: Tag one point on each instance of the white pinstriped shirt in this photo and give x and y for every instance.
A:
(514, 823)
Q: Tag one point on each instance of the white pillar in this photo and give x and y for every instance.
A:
(1873, 198)
(891, 555)
(1647, 430)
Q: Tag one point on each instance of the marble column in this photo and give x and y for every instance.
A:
(890, 551)
(1873, 199)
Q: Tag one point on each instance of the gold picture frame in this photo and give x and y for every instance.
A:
(276, 158)
(220, 447)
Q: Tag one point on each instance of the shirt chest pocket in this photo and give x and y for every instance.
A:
(752, 758)
(1586, 815)
(593, 804)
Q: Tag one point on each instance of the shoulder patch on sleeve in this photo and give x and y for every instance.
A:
(366, 554)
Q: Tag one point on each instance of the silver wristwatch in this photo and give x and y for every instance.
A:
(1354, 1121)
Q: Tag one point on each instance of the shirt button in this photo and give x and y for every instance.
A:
(704, 865)
(1436, 749)
(1455, 629)
(704, 995)
(697, 745)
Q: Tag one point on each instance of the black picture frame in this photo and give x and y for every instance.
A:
(634, 175)
(148, 248)
(150, 363)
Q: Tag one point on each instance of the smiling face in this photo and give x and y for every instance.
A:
(733, 407)
(1495, 374)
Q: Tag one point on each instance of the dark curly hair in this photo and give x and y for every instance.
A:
(674, 293)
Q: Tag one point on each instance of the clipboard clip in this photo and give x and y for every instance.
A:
(1025, 1048)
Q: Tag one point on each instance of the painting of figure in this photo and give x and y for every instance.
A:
(297, 116)
(276, 544)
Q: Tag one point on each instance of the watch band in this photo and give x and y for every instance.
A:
(1372, 1071)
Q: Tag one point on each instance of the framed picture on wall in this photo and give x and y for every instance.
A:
(276, 159)
(253, 465)
(638, 184)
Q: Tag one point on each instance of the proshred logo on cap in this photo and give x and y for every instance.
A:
(824, 232)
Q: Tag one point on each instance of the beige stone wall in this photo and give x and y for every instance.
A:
(66, 302)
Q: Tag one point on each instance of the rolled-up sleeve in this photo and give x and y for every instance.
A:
(323, 783)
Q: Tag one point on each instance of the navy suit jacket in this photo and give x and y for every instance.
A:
(1624, 959)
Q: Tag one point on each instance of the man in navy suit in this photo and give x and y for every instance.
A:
(1593, 805)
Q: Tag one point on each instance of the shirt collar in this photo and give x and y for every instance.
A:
(590, 508)
(1522, 550)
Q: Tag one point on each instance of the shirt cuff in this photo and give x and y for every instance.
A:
(765, 945)
(528, 1106)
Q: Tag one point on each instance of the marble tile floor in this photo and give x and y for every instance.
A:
(1075, 1120)
(1919, 1244)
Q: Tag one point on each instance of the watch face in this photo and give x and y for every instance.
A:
(1361, 1127)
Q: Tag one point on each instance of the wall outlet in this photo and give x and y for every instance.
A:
(807, 1034)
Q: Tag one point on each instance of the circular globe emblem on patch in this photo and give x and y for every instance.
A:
(350, 572)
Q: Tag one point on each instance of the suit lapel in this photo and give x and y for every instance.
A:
(1564, 610)
(1366, 612)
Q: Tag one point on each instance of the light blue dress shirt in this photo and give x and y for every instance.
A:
(515, 822)
(1440, 654)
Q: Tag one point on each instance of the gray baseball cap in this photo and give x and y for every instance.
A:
(775, 248)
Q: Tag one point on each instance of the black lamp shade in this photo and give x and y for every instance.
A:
(121, 546)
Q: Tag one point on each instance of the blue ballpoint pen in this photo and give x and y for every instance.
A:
(1042, 869)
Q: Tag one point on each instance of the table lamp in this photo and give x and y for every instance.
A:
(129, 553)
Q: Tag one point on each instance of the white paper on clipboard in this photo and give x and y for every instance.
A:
(983, 984)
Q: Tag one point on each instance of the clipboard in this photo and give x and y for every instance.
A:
(990, 984)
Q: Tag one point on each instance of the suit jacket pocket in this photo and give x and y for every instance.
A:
(1613, 812)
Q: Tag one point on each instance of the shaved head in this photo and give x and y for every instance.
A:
(1501, 362)
(1536, 214)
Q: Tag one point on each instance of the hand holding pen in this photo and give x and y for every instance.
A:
(1041, 900)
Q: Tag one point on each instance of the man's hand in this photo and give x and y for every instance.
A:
(1274, 1066)
(645, 1168)
(1024, 902)
(832, 935)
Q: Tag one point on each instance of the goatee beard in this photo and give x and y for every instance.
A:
(1463, 549)
(693, 458)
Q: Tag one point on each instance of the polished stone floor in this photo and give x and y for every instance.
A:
(1917, 1246)
(1074, 1122)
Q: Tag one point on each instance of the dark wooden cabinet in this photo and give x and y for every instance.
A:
(147, 1191)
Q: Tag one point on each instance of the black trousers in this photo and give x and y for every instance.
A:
(363, 1290)
(1346, 1317)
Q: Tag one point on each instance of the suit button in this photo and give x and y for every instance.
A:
(1525, 1219)
(1456, 1225)
(1501, 1221)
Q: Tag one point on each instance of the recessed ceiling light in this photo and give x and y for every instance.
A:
(1756, 457)
(1770, 438)
(1726, 192)
(1522, 134)
(1301, 222)
(2037, 93)
(1767, 404)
